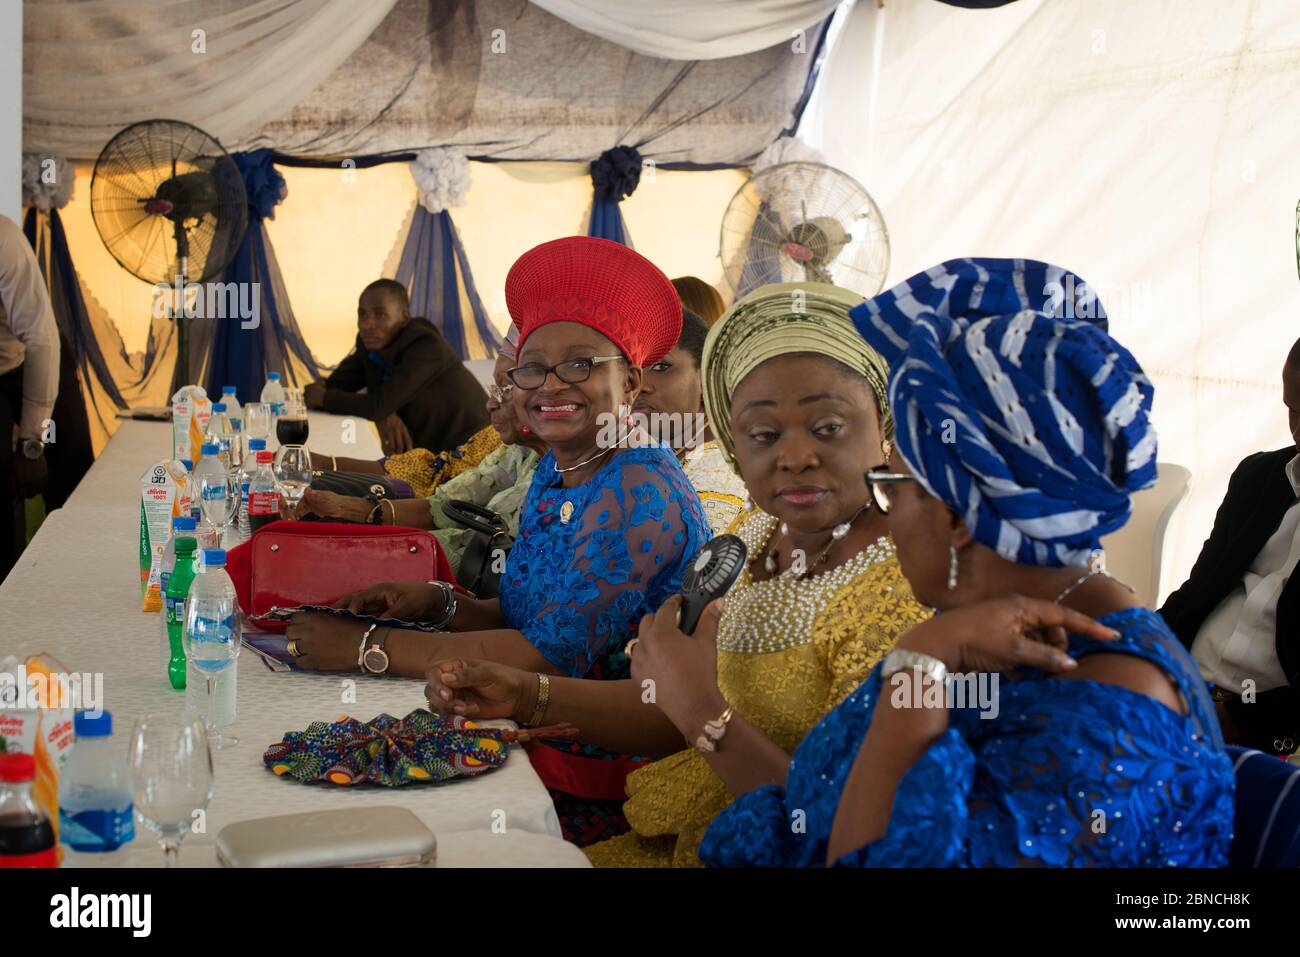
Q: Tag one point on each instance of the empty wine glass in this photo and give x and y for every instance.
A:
(171, 776)
(257, 420)
(292, 475)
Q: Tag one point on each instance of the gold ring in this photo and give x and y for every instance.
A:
(293, 648)
(630, 645)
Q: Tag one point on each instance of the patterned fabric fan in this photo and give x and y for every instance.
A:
(392, 752)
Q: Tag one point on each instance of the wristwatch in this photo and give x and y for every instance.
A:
(374, 659)
(901, 659)
(32, 449)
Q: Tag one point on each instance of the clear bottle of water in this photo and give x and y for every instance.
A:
(214, 489)
(212, 638)
(95, 814)
(230, 397)
(245, 475)
(222, 434)
(273, 394)
(181, 525)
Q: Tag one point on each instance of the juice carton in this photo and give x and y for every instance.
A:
(191, 410)
(162, 495)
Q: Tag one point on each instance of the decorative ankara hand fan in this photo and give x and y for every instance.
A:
(169, 204)
(804, 222)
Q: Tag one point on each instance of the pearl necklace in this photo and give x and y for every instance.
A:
(837, 533)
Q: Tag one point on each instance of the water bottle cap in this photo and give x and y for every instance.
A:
(210, 448)
(265, 458)
(87, 725)
(214, 557)
(256, 445)
(273, 376)
(183, 523)
(186, 544)
(218, 407)
(17, 767)
(189, 466)
(228, 390)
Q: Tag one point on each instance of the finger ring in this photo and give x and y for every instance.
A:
(293, 648)
(630, 645)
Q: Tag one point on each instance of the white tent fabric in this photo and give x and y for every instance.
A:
(1150, 147)
(92, 67)
(692, 29)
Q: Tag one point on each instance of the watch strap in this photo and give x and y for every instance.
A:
(904, 659)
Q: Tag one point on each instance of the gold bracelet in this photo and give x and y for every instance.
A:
(714, 731)
(334, 464)
(370, 516)
(392, 509)
(543, 699)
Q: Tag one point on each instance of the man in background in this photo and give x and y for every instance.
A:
(416, 389)
(29, 382)
(1239, 611)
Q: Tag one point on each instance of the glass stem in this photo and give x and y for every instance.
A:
(171, 853)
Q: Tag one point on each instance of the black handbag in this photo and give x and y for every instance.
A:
(369, 485)
(485, 552)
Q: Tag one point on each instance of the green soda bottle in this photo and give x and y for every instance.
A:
(178, 589)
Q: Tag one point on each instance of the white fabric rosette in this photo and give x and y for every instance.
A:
(42, 195)
(441, 175)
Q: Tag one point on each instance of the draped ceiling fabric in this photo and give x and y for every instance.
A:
(92, 67)
(692, 29)
(1153, 154)
(505, 80)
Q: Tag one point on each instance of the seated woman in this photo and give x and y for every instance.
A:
(671, 404)
(605, 532)
(416, 389)
(797, 401)
(497, 479)
(1085, 742)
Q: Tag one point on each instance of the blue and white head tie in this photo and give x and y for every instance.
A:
(1013, 405)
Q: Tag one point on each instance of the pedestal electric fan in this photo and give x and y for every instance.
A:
(169, 204)
(804, 222)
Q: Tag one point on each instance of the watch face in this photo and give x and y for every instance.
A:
(375, 660)
(32, 449)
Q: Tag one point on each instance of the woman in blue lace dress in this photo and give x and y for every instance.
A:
(1044, 718)
(605, 531)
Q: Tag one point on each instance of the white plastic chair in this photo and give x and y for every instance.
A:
(482, 369)
(1135, 553)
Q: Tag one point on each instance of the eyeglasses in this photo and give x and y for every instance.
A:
(499, 394)
(879, 480)
(571, 372)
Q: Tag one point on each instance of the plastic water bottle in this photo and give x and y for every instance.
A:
(223, 435)
(173, 613)
(230, 398)
(212, 636)
(26, 835)
(194, 513)
(95, 789)
(273, 394)
(210, 477)
(263, 494)
(245, 475)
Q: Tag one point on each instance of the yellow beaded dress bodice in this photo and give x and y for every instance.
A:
(789, 650)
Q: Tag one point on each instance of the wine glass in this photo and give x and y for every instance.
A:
(212, 640)
(291, 427)
(293, 475)
(171, 776)
(219, 501)
(257, 420)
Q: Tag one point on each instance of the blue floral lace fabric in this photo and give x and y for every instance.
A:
(1069, 773)
(591, 560)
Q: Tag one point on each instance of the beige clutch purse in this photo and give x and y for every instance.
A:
(379, 836)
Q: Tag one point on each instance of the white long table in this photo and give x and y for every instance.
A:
(75, 594)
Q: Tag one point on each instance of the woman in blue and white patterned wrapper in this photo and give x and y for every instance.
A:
(1022, 430)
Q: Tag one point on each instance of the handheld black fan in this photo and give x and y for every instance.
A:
(710, 575)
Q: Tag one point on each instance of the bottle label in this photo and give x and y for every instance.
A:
(39, 859)
(96, 829)
(263, 503)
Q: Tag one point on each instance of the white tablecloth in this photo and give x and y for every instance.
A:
(75, 594)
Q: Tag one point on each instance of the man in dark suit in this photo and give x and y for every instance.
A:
(1239, 611)
(416, 389)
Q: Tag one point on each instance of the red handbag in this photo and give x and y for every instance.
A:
(314, 563)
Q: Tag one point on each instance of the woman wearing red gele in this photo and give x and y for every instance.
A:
(605, 533)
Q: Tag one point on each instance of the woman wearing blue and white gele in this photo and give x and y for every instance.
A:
(1022, 431)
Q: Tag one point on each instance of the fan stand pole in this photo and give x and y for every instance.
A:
(182, 317)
